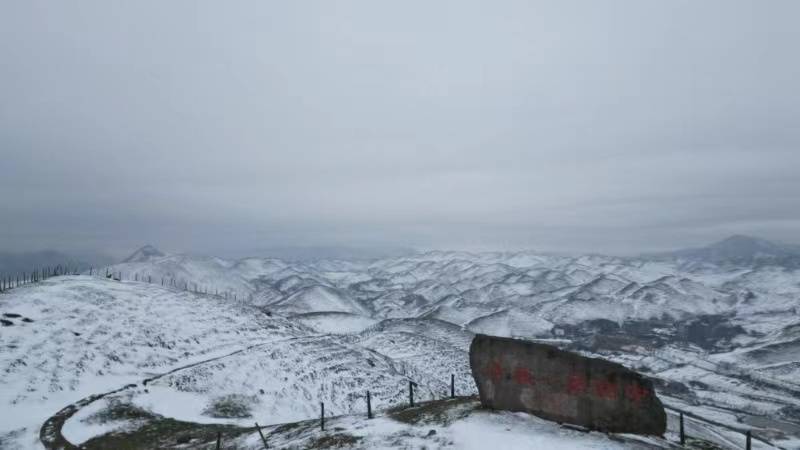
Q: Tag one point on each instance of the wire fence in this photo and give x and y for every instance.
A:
(745, 440)
(18, 279)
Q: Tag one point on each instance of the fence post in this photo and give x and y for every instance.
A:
(219, 440)
(748, 441)
(411, 392)
(263, 439)
(452, 385)
(369, 406)
(322, 416)
(148, 279)
(683, 435)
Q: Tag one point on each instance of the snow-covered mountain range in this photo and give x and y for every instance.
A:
(717, 328)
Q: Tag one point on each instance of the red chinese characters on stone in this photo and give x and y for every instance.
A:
(605, 389)
(636, 393)
(494, 371)
(576, 384)
(522, 375)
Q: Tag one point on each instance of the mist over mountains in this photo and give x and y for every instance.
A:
(740, 249)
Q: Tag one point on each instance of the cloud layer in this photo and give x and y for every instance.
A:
(580, 126)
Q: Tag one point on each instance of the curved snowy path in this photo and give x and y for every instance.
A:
(51, 435)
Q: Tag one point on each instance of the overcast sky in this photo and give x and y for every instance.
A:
(613, 126)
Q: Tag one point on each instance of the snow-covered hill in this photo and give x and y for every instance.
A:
(717, 331)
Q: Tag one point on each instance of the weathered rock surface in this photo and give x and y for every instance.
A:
(562, 386)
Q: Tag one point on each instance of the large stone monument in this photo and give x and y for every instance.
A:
(562, 386)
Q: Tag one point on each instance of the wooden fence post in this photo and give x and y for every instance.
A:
(748, 441)
(322, 416)
(219, 440)
(452, 385)
(369, 406)
(683, 435)
(411, 392)
(263, 439)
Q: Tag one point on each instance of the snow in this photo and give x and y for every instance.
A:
(335, 322)
(463, 428)
(521, 431)
(82, 426)
(92, 335)
(330, 330)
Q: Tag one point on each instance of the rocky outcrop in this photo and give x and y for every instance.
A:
(562, 386)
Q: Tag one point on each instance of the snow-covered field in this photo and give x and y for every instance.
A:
(212, 341)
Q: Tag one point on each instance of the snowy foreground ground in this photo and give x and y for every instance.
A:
(93, 361)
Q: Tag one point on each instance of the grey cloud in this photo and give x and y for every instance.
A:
(617, 126)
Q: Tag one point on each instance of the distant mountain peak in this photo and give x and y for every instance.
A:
(739, 241)
(144, 254)
(742, 249)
